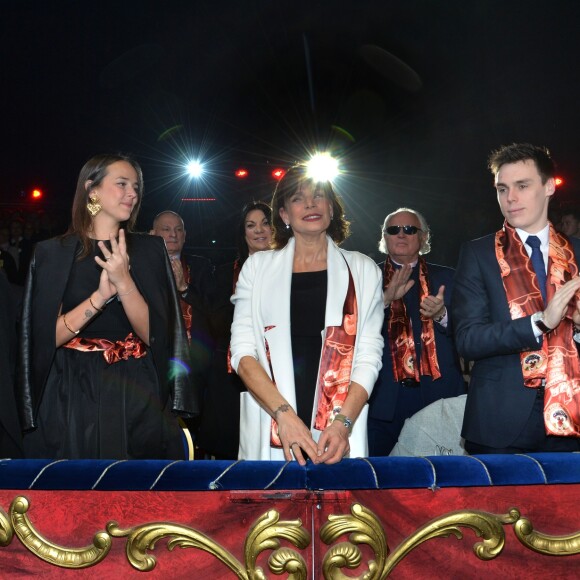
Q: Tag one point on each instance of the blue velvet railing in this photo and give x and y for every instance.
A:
(371, 473)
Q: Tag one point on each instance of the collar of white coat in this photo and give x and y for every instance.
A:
(279, 280)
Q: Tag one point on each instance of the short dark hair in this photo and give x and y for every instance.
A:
(522, 152)
(243, 250)
(95, 170)
(339, 228)
(573, 211)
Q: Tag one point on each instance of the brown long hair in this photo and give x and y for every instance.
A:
(339, 228)
(95, 170)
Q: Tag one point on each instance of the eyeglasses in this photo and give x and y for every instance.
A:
(407, 230)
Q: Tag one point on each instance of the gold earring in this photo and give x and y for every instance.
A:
(93, 204)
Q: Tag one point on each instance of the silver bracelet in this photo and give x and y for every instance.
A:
(125, 293)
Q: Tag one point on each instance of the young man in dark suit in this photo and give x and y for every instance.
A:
(516, 309)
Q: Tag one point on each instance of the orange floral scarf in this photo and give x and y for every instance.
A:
(400, 331)
(556, 362)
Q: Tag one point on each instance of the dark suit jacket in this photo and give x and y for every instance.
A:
(8, 265)
(45, 286)
(198, 295)
(200, 279)
(384, 396)
(10, 435)
(219, 430)
(498, 403)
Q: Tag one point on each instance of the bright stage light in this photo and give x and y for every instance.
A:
(278, 173)
(559, 181)
(322, 167)
(241, 173)
(194, 168)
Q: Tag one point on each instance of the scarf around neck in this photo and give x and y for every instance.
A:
(400, 332)
(555, 363)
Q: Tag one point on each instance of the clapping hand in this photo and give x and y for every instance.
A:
(433, 306)
(115, 277)
(399, 284)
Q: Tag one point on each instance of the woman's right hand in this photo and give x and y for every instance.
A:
(296, 438)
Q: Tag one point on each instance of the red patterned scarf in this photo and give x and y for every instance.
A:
(556, 363)
(335, 365)
(400, 330)
(185, 307)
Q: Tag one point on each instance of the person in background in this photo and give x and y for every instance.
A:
(103, 349)
(219, 431)
(193, 274)
(516, 311)
(306, 336)
(420, 363)
(194, 282)
(20, 248)
(10, 432)
(570, 222)
(8, 266)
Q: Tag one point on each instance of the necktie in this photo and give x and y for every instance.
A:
(538, 263)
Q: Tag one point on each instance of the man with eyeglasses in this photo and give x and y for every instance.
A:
(516, 309)
(420, 364)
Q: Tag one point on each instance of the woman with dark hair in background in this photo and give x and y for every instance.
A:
(306, 336)
(101, 325)
(218, 434)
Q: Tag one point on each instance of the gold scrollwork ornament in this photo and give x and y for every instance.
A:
(262, 536)
(6, 529)
(546, 544)
(365, 527)
(53, 553)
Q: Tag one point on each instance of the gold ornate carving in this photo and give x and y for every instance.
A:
(144, 537)
(544, 543)
(486, 525)
(262, 536)
(6, 529)
(57, 555)
(362, 525)
(364, 528)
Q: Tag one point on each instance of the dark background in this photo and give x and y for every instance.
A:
(412, 94)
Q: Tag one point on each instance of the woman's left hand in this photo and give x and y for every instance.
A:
(116, 263)
(333, 444)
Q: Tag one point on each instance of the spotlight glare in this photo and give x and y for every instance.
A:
(278, 173)
(559, 181)
(241, 173)
(322, 167)
(194, 168)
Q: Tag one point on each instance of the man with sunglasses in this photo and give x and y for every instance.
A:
(420, 364)
(516, 308)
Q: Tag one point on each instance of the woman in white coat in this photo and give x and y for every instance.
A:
(306, 336)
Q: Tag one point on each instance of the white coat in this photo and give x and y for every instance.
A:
(262, 300)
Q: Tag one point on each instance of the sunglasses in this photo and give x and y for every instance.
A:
(407, 230)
